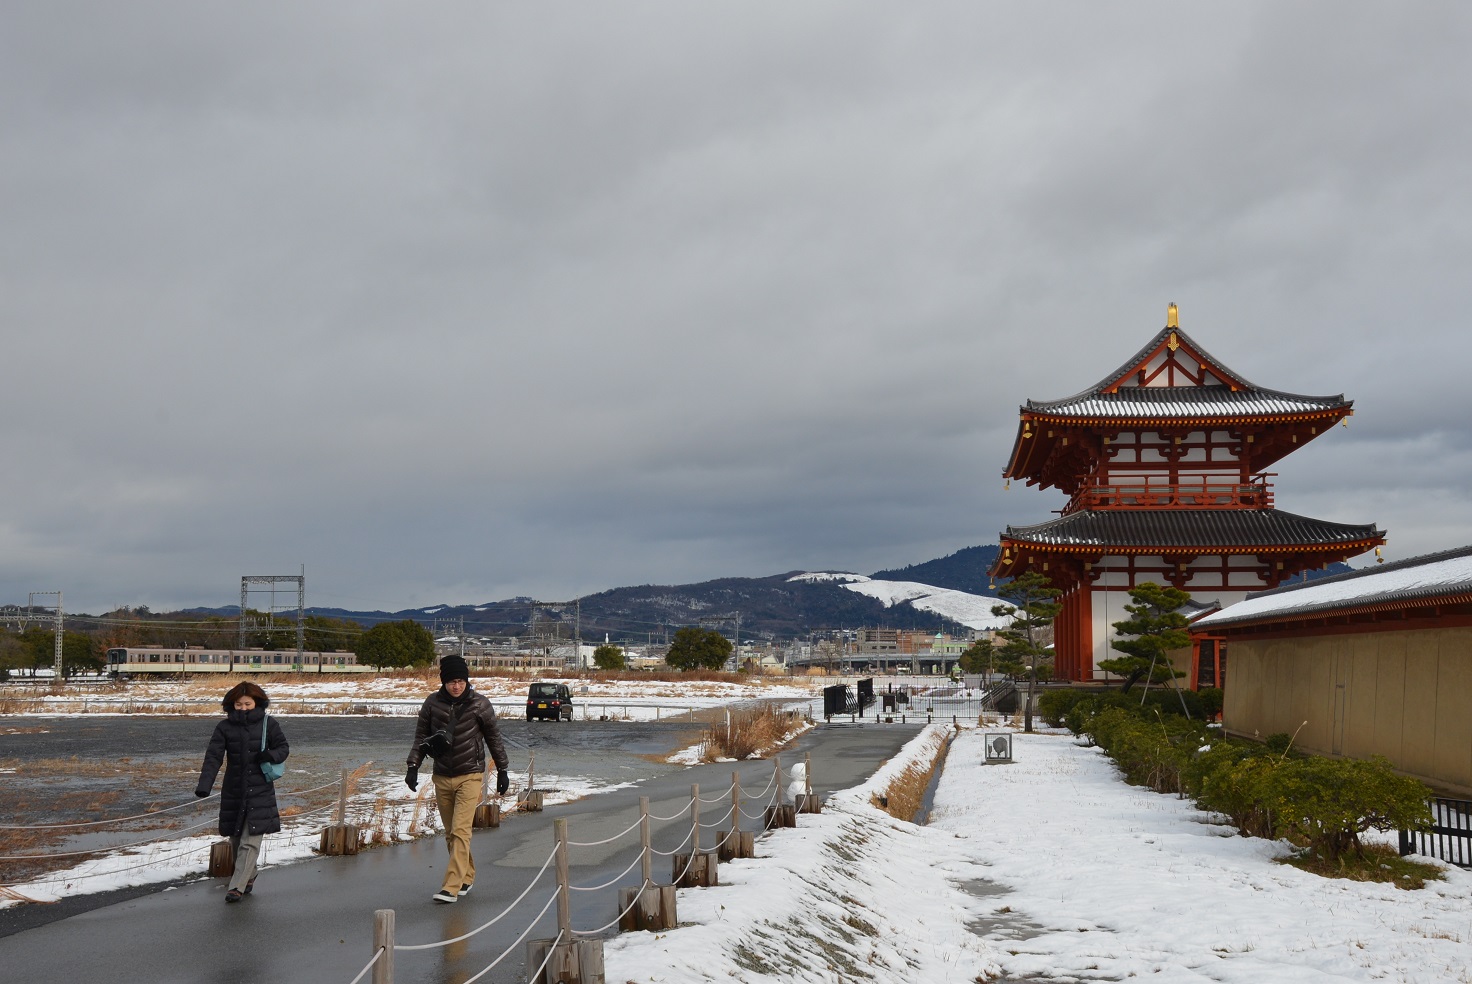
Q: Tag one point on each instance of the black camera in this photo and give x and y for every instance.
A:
(436, 745)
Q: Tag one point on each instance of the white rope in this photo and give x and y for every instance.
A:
(684, 810)
(724, 794)
(538, 875)
(683, 842)
(616, 919)
(614, 880)
(768, 786)
(517, 942)
(113, 847)
(376, 954)
(314, 789)
(718, 820)
(100, 823)
(609, 840)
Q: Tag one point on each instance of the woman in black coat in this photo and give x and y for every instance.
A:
(247, 799)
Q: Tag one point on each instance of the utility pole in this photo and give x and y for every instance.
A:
(30, 603)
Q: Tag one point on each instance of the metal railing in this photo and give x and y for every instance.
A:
(1450, 836)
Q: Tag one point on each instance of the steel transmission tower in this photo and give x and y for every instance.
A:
(269, 621)
(31, 604)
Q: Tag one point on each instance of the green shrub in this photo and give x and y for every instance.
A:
(1151, 749)
(1327, 803)
(1235, 786)
(1054, 705)
(1279, 743)
(1211, 702)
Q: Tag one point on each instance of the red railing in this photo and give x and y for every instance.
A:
(1163, 494)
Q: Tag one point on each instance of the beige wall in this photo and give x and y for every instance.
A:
(1404, 695)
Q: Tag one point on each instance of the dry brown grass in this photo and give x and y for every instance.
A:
(1381, 863)
(752, 732)
(906, 793)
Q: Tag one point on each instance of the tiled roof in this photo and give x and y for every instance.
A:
(1146, 402)
(1403, 583)
(1191, 528)
(1141, 402)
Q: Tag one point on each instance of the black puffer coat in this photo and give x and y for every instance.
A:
(475, 728)
(247, 800)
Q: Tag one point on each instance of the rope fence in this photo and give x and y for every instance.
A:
(641, 899)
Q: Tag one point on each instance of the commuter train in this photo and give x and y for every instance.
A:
(146, 661)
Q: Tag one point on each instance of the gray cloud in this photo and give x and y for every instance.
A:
(458, 303)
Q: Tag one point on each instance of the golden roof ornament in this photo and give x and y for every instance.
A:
(1172, 320)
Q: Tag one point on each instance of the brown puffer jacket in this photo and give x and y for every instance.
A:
(475, 728)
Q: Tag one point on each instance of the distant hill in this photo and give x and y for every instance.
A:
(964, 570)
(774, 607)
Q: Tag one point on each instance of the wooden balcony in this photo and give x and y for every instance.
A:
(1203, 493)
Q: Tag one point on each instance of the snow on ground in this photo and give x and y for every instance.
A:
(972, 610)
(1118, 881)
(1073, 875)
(851, 894)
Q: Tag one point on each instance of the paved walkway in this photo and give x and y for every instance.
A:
(313, 920)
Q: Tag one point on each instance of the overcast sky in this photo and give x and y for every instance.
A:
(455, 302)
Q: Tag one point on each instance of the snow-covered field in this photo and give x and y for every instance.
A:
(1074, 876)
(629, 698)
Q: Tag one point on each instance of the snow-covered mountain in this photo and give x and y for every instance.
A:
(971, 610)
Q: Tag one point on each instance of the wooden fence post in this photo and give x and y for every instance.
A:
(807, 802)
(383, 938)
(564, 891)
(487, 814)
(531, 797)
(573, 961)
(656, 903)
(341, 837)
(694, 870)
(222, 859)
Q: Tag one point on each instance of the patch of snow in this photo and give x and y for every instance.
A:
(971, 610)
(814, 576)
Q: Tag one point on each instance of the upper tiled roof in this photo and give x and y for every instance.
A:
(1406, 582)
(1191, 529)
(1185, 402)
(1109, 398)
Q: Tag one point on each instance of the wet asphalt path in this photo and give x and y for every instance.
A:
(312, 921)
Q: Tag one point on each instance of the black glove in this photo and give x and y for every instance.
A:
(411, 778)
(263, 756)
(503, 782)
(201, 793)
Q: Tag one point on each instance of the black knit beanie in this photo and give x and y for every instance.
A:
(454, 668)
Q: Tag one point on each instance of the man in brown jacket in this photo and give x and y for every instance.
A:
(456, 725)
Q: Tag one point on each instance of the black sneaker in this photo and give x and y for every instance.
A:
(464, 890)
(440, 896)
(250, 885)
(234, 895)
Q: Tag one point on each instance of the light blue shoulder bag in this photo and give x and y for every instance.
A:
(271, 770)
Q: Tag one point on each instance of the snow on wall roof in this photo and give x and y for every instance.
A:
(1415, 579)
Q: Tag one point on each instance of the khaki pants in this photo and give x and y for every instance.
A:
(247, 849)
(457, 798)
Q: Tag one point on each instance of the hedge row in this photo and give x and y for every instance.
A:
(1265, 790)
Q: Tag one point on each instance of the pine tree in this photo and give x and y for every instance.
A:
(1032, 609)
(1157, 626)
